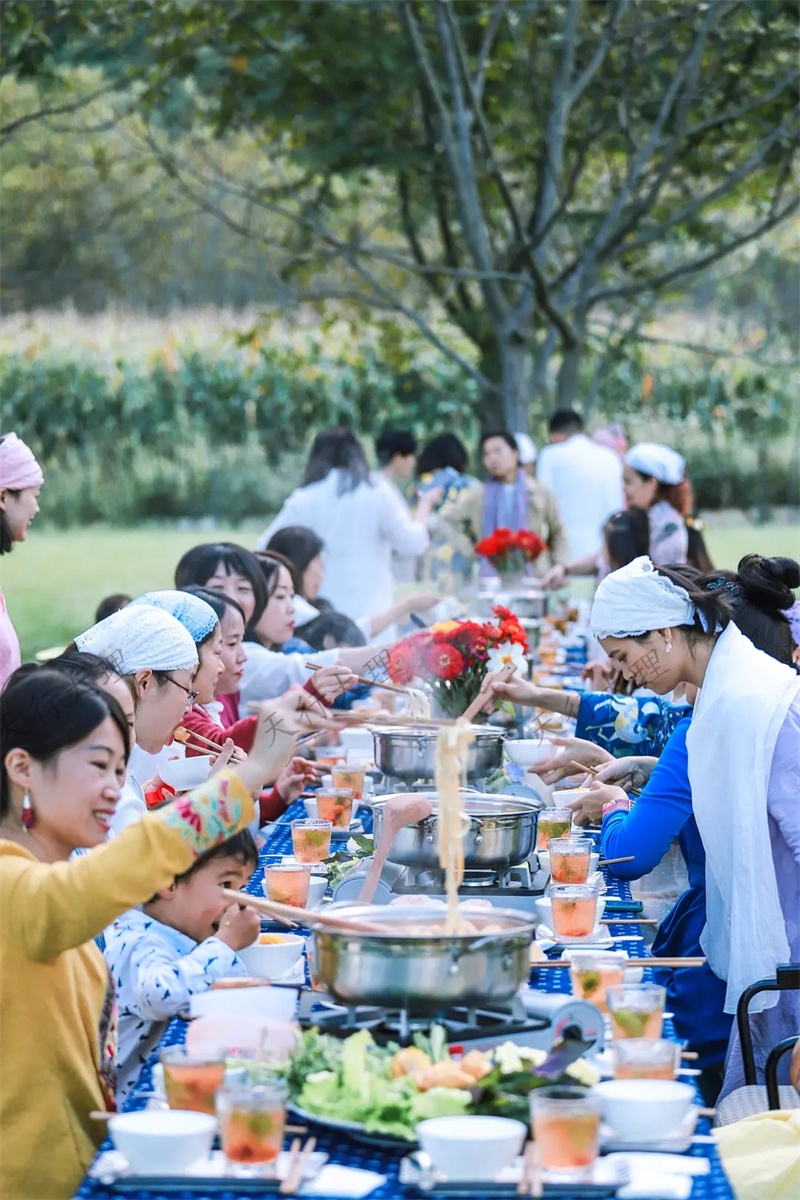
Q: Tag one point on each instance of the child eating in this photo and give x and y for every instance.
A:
(175, 946)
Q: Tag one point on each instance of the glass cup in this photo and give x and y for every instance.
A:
(335, 805)
(574, 907)
(565, 1126)
(646, 1058)
(591, 972)
(636, 1010)
(570, 858)
(311, 840)
(349, 777)
(287, 883)
(191, 1081)
(329, 756)
(251, 1123)
(553, 823)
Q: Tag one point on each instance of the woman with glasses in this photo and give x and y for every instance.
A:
(158, 654)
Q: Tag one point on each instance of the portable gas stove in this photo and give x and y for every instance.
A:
(533, 1019)
(514, 887)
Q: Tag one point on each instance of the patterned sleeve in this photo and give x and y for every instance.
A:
(209, 814)
(158, 986)
(625, 725)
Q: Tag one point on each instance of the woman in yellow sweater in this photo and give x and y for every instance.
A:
(63, 750)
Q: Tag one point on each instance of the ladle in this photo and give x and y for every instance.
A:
(397, 812)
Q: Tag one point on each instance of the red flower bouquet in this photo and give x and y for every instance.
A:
(454, 656)
(510, 552)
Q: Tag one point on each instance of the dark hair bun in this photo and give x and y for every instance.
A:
(768, 582)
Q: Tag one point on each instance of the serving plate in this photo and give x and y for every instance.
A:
(207, 1176)
(355, 1129)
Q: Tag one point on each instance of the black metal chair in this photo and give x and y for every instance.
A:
(753, 1097)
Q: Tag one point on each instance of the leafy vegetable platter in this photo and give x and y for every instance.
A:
(378, 1094)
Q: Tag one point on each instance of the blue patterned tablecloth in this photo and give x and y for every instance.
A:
(345, 1150)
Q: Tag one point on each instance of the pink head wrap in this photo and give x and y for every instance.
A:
(18, 466)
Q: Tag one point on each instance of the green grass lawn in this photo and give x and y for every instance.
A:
(54, 582)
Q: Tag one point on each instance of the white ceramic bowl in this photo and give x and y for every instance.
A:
(183, 774)
(317, 887)
(275, 959)
(564, 797)
(641, 1110)
(471, 1147)
(266, 1001)
(527, 752)
(163, 1142)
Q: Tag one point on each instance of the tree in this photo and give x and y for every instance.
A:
(521, 167)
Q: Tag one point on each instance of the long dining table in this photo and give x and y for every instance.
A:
(343, 1149)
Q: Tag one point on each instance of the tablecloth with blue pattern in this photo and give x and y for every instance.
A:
(339, 1146)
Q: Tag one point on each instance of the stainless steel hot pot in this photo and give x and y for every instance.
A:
(409, 753)
(502, 833)
(423, 971)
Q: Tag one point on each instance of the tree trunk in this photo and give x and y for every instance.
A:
(569, 376)
(515, 382)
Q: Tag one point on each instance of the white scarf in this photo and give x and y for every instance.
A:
(637, 599)
(737, 717)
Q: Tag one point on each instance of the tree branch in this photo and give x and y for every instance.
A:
(55, 110)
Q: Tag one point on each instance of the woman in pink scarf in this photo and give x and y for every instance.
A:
(20, 482)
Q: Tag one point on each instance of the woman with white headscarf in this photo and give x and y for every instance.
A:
(654, 478)
(21, 481)
(743, 748)
(159, 654)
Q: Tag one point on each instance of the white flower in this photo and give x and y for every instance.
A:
(510, 1057)
(584, 1072)
(504, 654)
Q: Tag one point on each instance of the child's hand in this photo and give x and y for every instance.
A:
(239, 927)
(294, 778)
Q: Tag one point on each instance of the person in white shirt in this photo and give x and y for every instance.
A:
(360, 519)
(527, 453)
(586, 480)
(396, 451)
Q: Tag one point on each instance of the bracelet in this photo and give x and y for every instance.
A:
(618, 804)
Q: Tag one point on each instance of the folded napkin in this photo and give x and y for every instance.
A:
(761, 1155)
(658, 1176)
(348, 1182)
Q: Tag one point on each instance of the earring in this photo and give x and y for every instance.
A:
(28, 813)
(668, 647)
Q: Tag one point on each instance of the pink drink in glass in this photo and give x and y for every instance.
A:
(636, 1010)
(574, 907)
(569, 859)
(329, 756)
(191, 1081)
(591, 973)
(311, 840)
(566, 1125)
(646, 1058)
(553, 823)
(287, 883)
(349, 777)
(335, 805)
(252, 1121)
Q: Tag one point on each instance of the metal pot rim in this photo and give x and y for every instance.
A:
(431, 732)
(518, 923)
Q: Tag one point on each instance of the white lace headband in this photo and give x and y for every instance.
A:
(141, 636)
(637, 599)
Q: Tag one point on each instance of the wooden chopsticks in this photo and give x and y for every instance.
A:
(386, 687)
(610, 862)
(198, 743)
(293, 1180)
(311, 918)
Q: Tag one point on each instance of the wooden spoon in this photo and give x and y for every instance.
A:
(397, 812)
(472, 710)
(309, 917)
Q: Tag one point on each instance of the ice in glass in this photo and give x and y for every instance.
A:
(570, 858)
(636, 1010)
(646, 1058)
(287, 883)
(191, 1081)
(335, 805)
(565, 1127)
(311, 840)
(591, 973)
(553, 823)
(574, 907)
(251, 1121)
(349, 777)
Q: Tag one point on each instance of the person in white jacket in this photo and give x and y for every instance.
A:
(361, 520)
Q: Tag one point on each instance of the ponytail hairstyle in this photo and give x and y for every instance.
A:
(758, 593)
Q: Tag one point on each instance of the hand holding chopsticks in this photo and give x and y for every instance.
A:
(386, 687)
